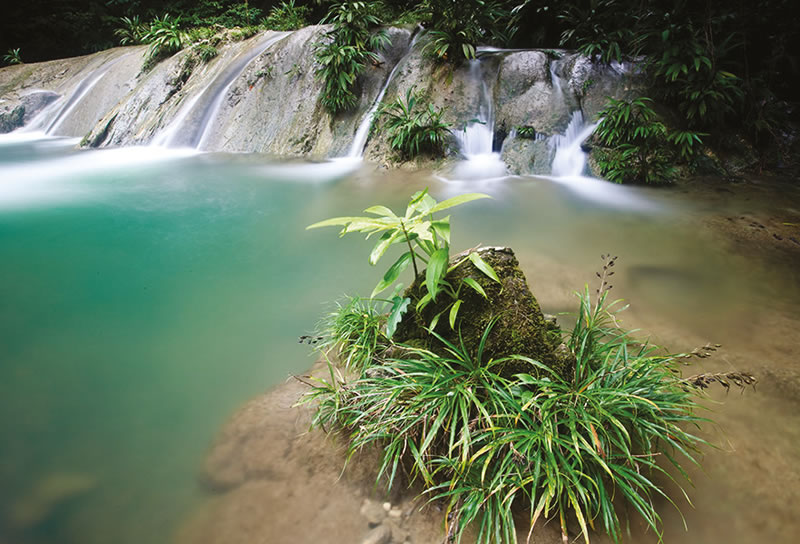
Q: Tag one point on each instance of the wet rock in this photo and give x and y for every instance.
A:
(379, 535)
(373, 512)
(12, 120)
(520, 328)
(46, 496)
(399, 534)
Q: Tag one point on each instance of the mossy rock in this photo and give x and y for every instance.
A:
(520, 329)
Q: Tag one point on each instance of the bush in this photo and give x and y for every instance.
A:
(343, 54)
(458, 26)
(412, 128)
(484, 443)
(12, 57)
(131, 31)
(164, 37)
(205, 51)
(688, 76)
(633, 143)
(599, 30)
(286, 16)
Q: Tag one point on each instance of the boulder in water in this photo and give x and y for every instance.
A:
(520, 328)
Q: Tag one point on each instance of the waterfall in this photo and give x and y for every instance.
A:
(360, 139)
(194, 121)
(53, 116)
(477, 139)
(570, 159)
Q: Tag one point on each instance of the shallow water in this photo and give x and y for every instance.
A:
(147, 293)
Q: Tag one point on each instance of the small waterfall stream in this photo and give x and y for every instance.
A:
(53, 116)
(360, 139)
(477, 139)
(194, 121)
(570, 159)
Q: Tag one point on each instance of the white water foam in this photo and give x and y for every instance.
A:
(360, 139)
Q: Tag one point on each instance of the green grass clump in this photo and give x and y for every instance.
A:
(356, 330)
(489, 446)
(286, 16)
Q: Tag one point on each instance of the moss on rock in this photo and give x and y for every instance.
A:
(521, 328)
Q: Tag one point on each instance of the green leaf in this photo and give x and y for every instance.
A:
(435, 320)
(383, 244)
(457, 201)
(393, 273)
(454, 313)
(381, 210)
(424, 301)
(436, 268)
(442, 228)
(399, 307)
(476, 287)
(483, 266)
(335, 221)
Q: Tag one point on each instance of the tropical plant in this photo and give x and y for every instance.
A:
(205, 51)
(633, 143)
(427, 240)
(526, 132)
(12, 57)
(450, 44)
(339, 67)
(345, 51)
(458, 26)
(484, 443)
(286, 16)
(413, 128)
(131, 31)
(686, 70)
(164, 37)
(597, 28)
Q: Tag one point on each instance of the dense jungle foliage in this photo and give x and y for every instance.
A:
(713, 67)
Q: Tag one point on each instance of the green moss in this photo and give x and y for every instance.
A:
(520, 327)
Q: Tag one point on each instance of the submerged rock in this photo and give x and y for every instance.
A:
(520, 328)
(270, 479)
(51, 491)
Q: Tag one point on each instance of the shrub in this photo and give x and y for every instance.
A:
(205, 51)
(484, 443)
(633, 143)
(457, 26)
(344, 52)
(12, 57)
(286, 16)
(598, 30)
(340, 66)
(412, 128)
(164, 37)
(687, 73)
(240, 33)
(131, 30)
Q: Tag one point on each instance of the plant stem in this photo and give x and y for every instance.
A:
(411, 249)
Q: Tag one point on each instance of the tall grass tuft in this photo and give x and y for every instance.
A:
(488, 445)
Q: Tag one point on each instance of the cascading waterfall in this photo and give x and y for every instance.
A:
(360, 139)
(195, 119)
(570, 158)
(477, 139)
(569, 166)
(53, 116)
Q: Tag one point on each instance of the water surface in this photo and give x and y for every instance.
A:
(145, 294)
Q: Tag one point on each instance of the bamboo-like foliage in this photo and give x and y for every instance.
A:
(484, 444)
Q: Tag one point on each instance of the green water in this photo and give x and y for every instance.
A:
(144, 296)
